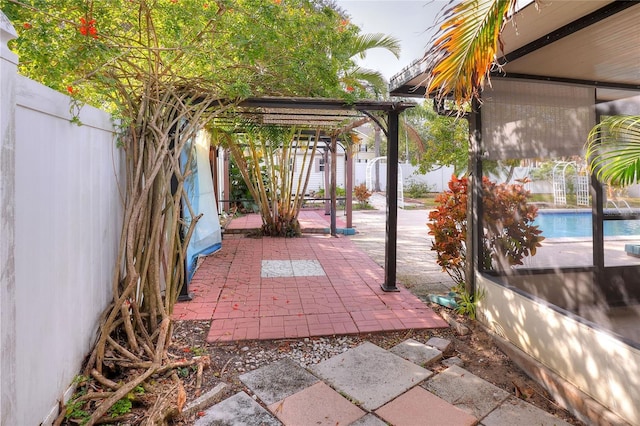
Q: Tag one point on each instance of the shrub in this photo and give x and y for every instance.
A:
(362, 194)
(508, 233)
(415, 189)
(340, 192)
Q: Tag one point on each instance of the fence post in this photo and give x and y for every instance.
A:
(8, 73)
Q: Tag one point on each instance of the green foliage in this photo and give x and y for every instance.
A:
(544, 171)
(199, 351)
(436, 140)
(359, 81)
(76, 407)
(508, 234)
(613, 150)
(91, 49)
(75, 410)
(80, 379)
(340, 192)
(468, 303)
(183, 372)
(241, 196)
(415, 189)
(362, 194)
(121, 407)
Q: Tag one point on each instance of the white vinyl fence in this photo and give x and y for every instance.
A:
(436, 180)
(60, 225)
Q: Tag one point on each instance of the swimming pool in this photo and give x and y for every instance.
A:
(574, 224)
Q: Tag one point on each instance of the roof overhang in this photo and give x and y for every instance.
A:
(592, 42)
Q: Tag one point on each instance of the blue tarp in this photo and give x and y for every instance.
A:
(207, 236)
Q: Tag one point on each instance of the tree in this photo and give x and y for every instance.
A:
(268, 162)
(165, 68)
(267, 158)
(436, 140)
(355, 76)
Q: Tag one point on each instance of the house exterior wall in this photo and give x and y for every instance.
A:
(594, 360)
(317, 177)
(67, 221)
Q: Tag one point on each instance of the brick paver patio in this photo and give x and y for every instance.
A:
(327, 286)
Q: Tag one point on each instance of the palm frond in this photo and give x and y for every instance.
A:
(465, 47)
(413, 135)
(357, 74)
(364, 42)
(613, 150)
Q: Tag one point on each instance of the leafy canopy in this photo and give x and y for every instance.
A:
(437, 140)
(234, 48)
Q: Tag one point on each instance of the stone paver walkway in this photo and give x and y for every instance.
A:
(368, 385)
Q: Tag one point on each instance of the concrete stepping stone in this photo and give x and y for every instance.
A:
(369, 420)
(454, 360)
(417, 352)
(316, 405)
(419, 406)
(276, 381)
(472, 394)
(236, 410)
(443, 345)
(516, 411)
(370, 375)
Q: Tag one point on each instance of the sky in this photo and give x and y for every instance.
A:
(409, 21)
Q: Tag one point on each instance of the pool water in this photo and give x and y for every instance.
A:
(578, 224)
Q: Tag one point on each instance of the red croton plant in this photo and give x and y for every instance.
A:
(508, 231)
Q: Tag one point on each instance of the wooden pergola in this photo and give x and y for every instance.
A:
(336, 117)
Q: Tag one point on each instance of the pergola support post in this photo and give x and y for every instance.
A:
(392, 204)
(349, 185)
(474, 201)
(226, 187)
(327, 182)
(334, 154)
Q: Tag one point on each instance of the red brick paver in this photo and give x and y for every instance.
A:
(312, 221)
(229, 290)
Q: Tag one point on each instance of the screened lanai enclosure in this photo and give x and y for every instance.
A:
(573, 309)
